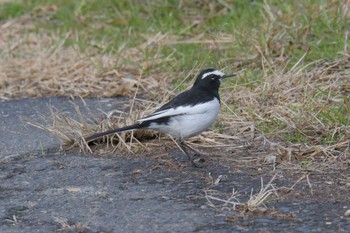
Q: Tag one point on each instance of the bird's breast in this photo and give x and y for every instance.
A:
(197, 119)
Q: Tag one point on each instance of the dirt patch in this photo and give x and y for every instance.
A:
(157, 193)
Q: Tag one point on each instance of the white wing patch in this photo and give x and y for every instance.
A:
(216, 72)
(183, 110)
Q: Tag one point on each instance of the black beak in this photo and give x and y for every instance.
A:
(227, 76)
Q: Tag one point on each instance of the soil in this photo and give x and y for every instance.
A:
(45, 189)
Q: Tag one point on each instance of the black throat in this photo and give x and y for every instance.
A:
(202, 94)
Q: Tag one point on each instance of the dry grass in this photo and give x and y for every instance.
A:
(71, 130)
(307, 107)
(64, 224)
(300, 111)
(38, 64)
(258, 199)
(218, 200)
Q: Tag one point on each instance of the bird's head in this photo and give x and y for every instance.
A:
(211, 79)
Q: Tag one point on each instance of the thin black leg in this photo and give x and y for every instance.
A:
(183, 146)
(195, 161)
(196, 152)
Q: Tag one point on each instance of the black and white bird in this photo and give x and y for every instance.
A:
(187, 115)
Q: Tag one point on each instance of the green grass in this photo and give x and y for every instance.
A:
(13, 9)
(115, 23)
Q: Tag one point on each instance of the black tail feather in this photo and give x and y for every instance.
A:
(113, 131)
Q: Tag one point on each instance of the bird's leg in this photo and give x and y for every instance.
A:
(184, 149)
(194, 161)
(196, 152)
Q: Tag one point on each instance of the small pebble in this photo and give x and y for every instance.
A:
(270, 159)
(347, 213)
(165, 198)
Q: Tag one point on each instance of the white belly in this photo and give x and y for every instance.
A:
(192, 123)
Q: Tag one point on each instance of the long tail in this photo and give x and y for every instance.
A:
(113, 131)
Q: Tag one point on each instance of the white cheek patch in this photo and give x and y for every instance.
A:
(216, 72)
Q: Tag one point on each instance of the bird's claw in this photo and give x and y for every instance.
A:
(197, 161)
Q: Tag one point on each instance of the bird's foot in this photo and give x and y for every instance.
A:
(198, 161)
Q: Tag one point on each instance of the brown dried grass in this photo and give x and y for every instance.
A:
(222, 201)
(36, 64)
(292, 102)
(286, 100)
(71, 131)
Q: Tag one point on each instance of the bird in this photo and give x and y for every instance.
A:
(186, 115)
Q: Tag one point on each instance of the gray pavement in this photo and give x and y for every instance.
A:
(59, 191)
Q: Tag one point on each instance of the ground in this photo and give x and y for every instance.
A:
(277, 158)
(46, 189)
